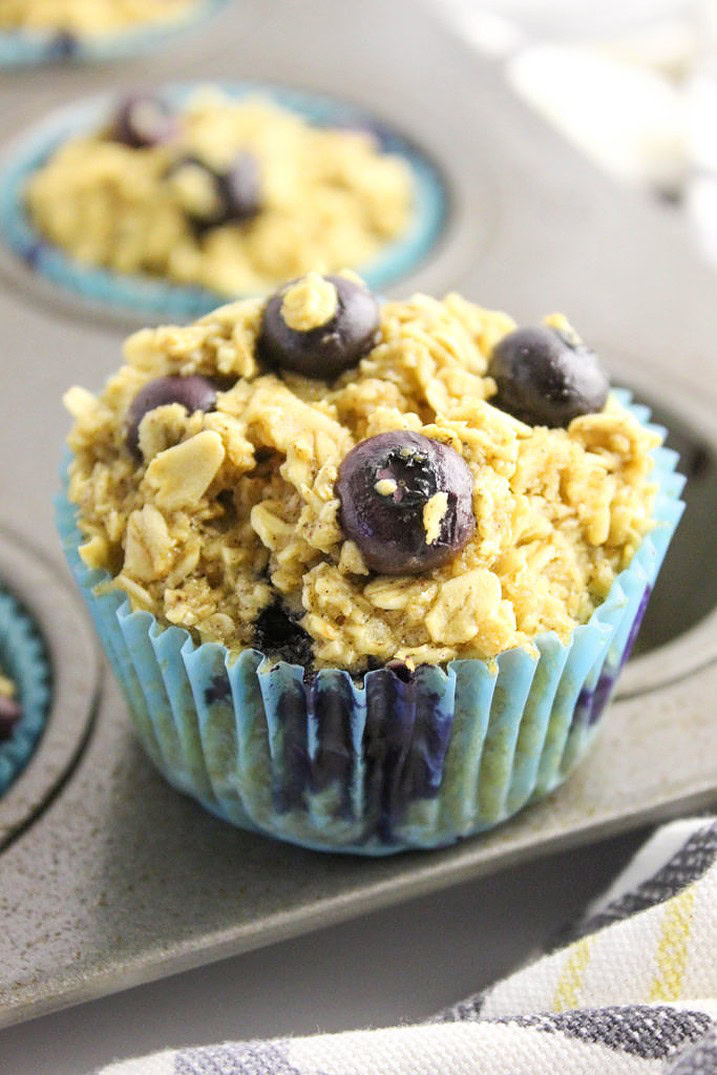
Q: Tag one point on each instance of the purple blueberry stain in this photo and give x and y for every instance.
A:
(289, 746)
(592, 700)
(405, 740)
(636, 624)
(329, 709)
(219, 689)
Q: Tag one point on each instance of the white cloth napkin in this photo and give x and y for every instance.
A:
(632, 990)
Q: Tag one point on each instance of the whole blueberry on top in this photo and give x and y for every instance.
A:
(211, 198)
(546, 376)
(406, 501)
(195, 393)
(142, 121)
(319, 325)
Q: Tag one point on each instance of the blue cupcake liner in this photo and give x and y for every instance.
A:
(390, 764)
(24, 48)
(24, 659)
(154, 297)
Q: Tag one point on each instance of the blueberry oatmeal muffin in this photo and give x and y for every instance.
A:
(376, 562)
(230, 195)
(87, 18)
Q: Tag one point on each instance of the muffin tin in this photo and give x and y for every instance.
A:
(69, 687)
(119, 879)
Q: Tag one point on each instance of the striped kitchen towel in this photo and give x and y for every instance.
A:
(633, 989)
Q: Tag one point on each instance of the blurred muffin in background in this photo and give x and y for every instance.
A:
(89, 17)
(231, 195)
(95, 31)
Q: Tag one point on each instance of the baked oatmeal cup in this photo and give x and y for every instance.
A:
(40, 31)
(166, 204)
(366, 574)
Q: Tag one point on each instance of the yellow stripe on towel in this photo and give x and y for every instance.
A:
(671, 957)
(567, 991)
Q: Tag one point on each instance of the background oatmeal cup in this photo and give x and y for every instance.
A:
(33, 32)
(242, 257)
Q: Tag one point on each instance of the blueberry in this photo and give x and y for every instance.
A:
(328, 348)
(212, 198)
(10, 713)
(278, 635)
(142, 121)
(195, 393)
(242, 187)
(547, 377)
(384, 485)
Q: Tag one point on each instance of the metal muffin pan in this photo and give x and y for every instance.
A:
(57, 613)
(119, 879)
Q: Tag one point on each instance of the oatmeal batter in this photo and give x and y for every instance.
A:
(212, 516)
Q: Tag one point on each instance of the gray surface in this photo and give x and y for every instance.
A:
(120, 879)
(394, 966)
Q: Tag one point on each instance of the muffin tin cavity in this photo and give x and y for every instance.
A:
(56, 274)
(46, 649)
(23, 48)
(678, 634)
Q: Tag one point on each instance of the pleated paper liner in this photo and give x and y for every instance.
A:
(24, 659)
(25, 48)
(391, 763)
(153, 297)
